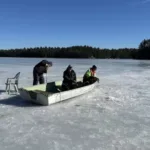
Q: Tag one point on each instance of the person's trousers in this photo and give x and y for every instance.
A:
(37, 78)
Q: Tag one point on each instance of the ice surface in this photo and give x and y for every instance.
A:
(114, 116)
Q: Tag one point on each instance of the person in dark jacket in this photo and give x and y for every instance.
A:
(39, 70)
(69, 81)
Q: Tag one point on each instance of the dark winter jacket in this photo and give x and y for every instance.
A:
(41, 67)
(69, 76)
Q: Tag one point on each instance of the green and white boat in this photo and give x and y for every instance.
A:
(50, 93)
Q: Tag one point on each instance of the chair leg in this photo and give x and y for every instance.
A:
(16, 88)
(6, 88)
(9, 89)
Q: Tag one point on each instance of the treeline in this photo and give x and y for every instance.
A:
(69, 52)
(143, 52)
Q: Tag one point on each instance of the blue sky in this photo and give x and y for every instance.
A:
(63, 23)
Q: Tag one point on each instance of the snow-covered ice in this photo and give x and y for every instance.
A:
(114, 116)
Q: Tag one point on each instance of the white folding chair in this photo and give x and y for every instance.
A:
(14, 82)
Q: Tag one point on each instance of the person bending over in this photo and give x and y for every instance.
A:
(90, 75)
(38, 71)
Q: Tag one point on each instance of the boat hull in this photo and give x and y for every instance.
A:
(46, 94)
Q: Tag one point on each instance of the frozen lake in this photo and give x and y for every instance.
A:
(114, 116)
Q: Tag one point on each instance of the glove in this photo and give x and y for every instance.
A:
(98, 80)
(46, 68)
(74, 81)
